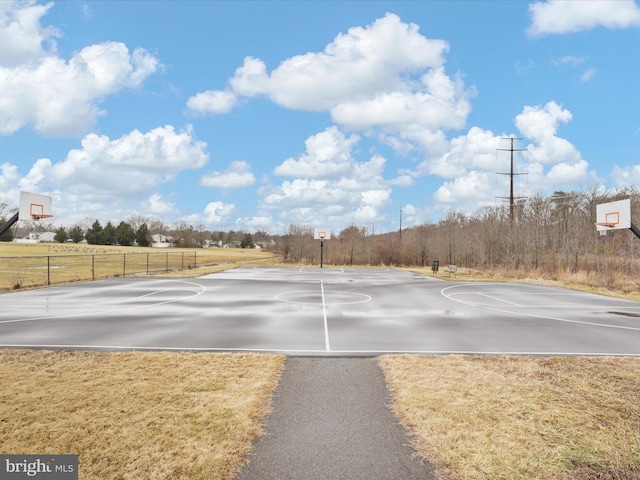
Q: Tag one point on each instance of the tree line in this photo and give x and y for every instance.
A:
(123, 234)
(549, 235)
(138, 230)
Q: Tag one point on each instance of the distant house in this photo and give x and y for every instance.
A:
(161, 241)
(211, 244)
(232, 244)
(40, 237)
(266, 244)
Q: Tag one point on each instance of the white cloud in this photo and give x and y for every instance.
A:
(213, 101)
(21, 34)
(357, 64)
(626, 176)
(467, 190)
(588, 75)
(155, 205)
(9, 189)
(541, 124)
(328, 154)
(146, 159)
(385, 75)
(440, 103)
(55, 96)
(562, 16)
(475, 150)
(569, 60)
(264, 223)
(218, 212)
(524, 68)
(238, 175)
(60, 98)
(105, 174)
(474, 161)
(568, 173)
(333, 189)
(251, 78)
(402, 181)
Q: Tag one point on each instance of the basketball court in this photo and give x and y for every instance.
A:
(321, 311)
(314, 311)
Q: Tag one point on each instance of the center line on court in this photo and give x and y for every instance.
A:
(324, 312)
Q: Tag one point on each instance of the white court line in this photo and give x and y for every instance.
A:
(314, 270)
(531, 315)
(315, 352)
(324, 312)
(564, 320)
(123, 309)
(498, 299)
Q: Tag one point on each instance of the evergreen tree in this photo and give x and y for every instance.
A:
(109, 234)
(142, 235)
(94, 234)
(247, 241)
(61, 235)
(8, 235)
(76, 234)
(125, 234)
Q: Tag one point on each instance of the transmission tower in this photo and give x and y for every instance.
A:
(511, 197)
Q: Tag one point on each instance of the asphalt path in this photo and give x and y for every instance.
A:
(330, 420)
(313, 311)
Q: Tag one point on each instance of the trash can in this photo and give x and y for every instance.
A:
(435, 265)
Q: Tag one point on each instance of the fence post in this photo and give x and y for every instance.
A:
(194, 259)
(147, 264)
(167, 262)
(124, 264)
(48, 270)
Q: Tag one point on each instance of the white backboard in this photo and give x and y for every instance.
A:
(321, 234)
(613, 216)
(34, 206)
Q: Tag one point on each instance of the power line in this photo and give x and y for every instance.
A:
(512, 199)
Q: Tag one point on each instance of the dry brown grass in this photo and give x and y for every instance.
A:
(614, 285)
(36, 265)
(521, 417)
(136, 415)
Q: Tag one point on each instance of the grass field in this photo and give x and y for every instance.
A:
(136, 415)
(34, 265)
(521, 417)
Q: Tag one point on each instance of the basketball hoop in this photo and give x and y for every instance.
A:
(604, 227)
(321, 234)
(40, 216)
(34, 206)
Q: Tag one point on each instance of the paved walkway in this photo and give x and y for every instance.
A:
(331, 420)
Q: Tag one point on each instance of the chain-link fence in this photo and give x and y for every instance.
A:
(24, 272)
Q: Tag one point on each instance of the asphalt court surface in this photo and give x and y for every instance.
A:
(313, 311)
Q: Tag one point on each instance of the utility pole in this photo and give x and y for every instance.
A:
(400, 239)
(511, 197)
(401, 226)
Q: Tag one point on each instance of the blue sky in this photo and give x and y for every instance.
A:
(258, 115)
